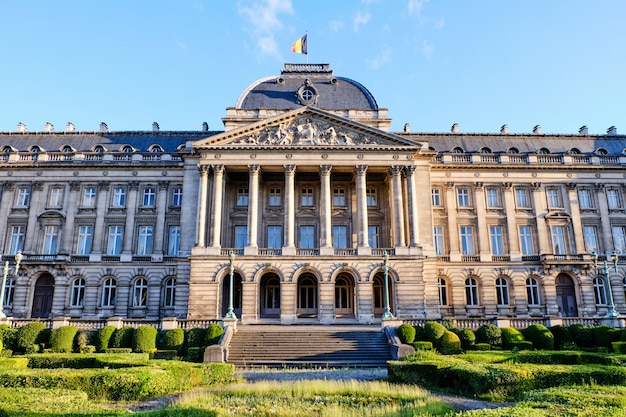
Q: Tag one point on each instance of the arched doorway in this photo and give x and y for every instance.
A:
(236, 294)
(270, 296)
(566, 296)
(379, 294)
(344, 296)
(42, 298)
(307, 296)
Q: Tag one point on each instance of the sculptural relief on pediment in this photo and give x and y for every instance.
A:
(305, 131)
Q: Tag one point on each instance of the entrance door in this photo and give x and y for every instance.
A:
(566, 296)
(307, 296)
(270, 296)
(236, 294)
(344, 296)
(42, 298)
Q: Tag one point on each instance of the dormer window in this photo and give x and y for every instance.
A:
(574, 151)
(98, 148)
(601, 151)
(543, 151)
(512, 150)
(485, 150)
(458, 150)
(67, 149)
(127, 149)
(156, 149)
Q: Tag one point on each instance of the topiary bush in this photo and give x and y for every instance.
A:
(433, 332)
(581, 335)
(8, 336)
(540, 337)
(30, 335)
(196, 337)
(420, 334)
(510, 335)
(174, 340)
(62, 339)
(122, 337)
(489, 333)
(213, 334)
(144, 339)
(482, 346)
(450, 343)
(562, 336)
(467, 337)
(103, 338)
(423, 345)
(619, 347)
(406, 333)
(603, 336)
(84, 338)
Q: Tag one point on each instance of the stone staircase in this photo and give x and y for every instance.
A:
(308, 346)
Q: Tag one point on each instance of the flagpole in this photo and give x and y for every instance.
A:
(306, 33)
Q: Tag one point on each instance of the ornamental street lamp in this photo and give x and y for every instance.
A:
(6, 270)
(387, 314)
(612, 312)
(231, 289)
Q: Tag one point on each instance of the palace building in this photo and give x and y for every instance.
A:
(322, 214)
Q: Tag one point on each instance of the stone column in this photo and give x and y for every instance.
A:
(131, 208)
(326, 246)
(606, 234)
(101, 209)
(30, 241)
(544, 236)
(204, 174)
(161, 208)
(483, 229)
(453, 227)
(218, 196)
(511, 223)
(253, 210)
(289, 247)
(579, 240)
(68, 229)
(361, 204)
(398, 206)
(5, 206)
(413, 215)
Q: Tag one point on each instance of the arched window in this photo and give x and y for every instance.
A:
(109, 288)
(599, 291)
(67, 149)
(543, 151)
(471, 292)
(574, 151)
(156, 149)
(140, 293)
(98, 148)
(502, 291)
(9, 292)
(458, 150)
(532, 291)
(127, 149)
(512, 150)
(485, 150)
(443, 292)
(169, 293)
(78, 293)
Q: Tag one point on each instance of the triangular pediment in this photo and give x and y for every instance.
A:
(306, 127)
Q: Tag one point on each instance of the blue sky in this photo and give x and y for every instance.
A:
(560, 63)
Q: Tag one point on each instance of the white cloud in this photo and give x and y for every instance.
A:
(415, 7)
(439, 24)
(427, 49)
(361, 19)
(265, 22)
(383, 57)
(335, 25)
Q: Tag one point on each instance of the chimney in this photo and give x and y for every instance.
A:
(205, 127)
(407, 128)
(104, 127)
(70, 127)
(21, 127)
(455, 128)
(537, 130)
(48, 127)
(504, 130)
(611, 131)
(155, 127)
(583, 130)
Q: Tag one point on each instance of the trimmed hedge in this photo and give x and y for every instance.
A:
(619, 347)
(13, 363)
(213, 334)
(406, 333)
(144, 339)
(509, 336)
(468, 338)
(29, 335)
(521, 345)
(122, 337)
(450, 343)
(174, 340)
(603, 336)
(561, 336)
(540, 336)
(422, 345)
(103, 338)
(8, 336)
(433, 332)
(62, 339)
(196, 337)
(489, 333)
(482, 346)
(581, 335)
(86, 361)
(83, 339)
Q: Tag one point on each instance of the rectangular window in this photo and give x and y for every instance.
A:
(526, 240)
(173, 241)
(307, 197)
(307, 237)
(584, 198)
(339, 197)
(619, 238)
(119, 197)
(114, 244)
(554, 197)
(274, 237)
(558, 240)
(55, 198)
(463, 198)
(149, 196)
(522, 198)
(17, 239)
(242, 197)
(467, 240)
(493, 197)
(241, 236)
(23, 197)
(144, 240)
(438, 238)
(372, 236)
(497, 240)
(435, 197)
(371, 197)
(177, 197)
(89, 197)
(340, 237)
(85, 234)
(275, 197)
(50, 235)
(590, 234)
(613, 199)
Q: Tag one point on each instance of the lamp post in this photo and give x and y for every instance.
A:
(231, 289)
(387, 314)
(612, 312)
(6, 270)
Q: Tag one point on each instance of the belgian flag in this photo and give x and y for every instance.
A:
(299, 46)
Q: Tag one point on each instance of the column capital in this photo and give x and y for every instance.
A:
(164, 185)
(535, 185)
(290, 169)
(478, 185)
(396, 170)
(599, 186)
(37, 185)
(361, 169)
(8, 185)
(410, 169)
(507, 185)
(325, 169)
(133, 185)
(254, 169)
(218, 169)
(204, 169)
